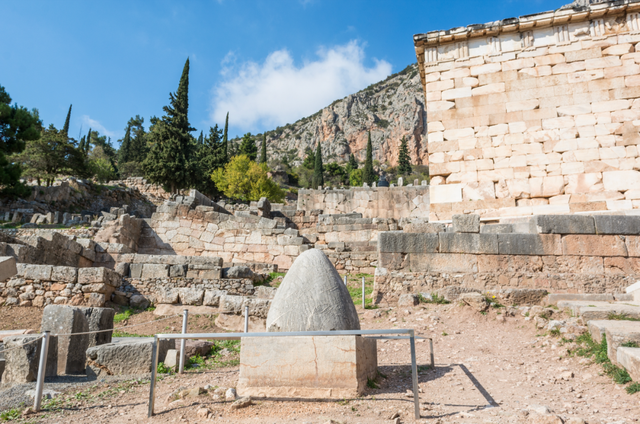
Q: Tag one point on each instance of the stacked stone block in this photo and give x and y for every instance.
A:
(546, 123)
(40, 285)
(559, 253)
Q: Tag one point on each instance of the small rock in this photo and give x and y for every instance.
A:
(475, 300)
(243, 402)
(46, 393)
(394, 416)
(540, 409)
(230, 394)
(544, 419)
(567, 375)
(408, 299)
(202, 413)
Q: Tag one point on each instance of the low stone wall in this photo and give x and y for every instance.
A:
(560, 253)
(153, 191)
(48, 247)
(41, 285)
(371, 202)
(240, 238)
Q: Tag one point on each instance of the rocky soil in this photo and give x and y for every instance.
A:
(490, 368)
(390, 109)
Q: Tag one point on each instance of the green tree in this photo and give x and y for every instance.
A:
(336, 175)
(225, 137)
(355, 178)
(353, 163)
(108, 151)
(201, 139)
(124, 153)
(210, 157)
(404, 160)
(242, 178)
(248, 147)
(65, 128)
(368, 174)
(52, 155)
(318, 169)
(310, 159)
(263, 149)
(170, 159)
(17, 127)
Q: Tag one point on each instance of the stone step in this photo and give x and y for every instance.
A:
(598, 328)
(629, 358)
(554, 298)
(623, 332)
(598, 310)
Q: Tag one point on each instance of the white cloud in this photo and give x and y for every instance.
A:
(278, 91)
(97, 126)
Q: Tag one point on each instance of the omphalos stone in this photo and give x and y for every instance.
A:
(312, 297)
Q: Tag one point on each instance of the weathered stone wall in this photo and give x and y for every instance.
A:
(534, 115)
(573, 254)
(240, 238)
(153, 191)
(41, 285)
(47, 247)
(371, 202)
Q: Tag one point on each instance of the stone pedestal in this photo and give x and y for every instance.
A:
(306, 367)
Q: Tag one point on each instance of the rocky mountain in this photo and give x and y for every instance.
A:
(390, 109)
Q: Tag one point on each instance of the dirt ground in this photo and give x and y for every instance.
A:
(489, 369)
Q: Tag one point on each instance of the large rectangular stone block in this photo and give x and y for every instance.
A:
(468, 223)
(21, 364)
(625, 331)
(529, 244)
(125, 356)
(7, 267)
(99, 275)
(563, 224)
(306, 367)
(617, 224)
(61, 319)
(496, 229)
(99, 319)
(629, 358)
(468, 243)
(592, 245)
(154, 271)
(397, 241)
(442, 262)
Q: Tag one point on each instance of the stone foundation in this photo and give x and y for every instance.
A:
(334, 367)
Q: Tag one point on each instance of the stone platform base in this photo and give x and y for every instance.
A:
(306, 367)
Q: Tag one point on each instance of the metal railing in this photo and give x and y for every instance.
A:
(409, 334)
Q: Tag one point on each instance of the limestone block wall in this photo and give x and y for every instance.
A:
(48, 247)
(153, 191)
(559, 253)
(240, 238)
(371, 202)
(534, 115)
(41, 285)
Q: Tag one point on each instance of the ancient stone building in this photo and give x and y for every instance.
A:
(537, 114)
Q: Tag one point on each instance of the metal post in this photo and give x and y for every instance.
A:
(246, 319)
(344, 279)
(433, 362)
(42, 367)
(183, 342)
(414, 374)
(154, 368)
(362, 292)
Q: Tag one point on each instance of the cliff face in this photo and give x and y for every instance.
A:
(390, 109)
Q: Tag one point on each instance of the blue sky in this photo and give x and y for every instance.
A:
(268, 62)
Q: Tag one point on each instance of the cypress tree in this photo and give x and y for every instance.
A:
(170, 160)
(201, 139)
(404, 160)
(65, 129)
(225, 138)
(368, 175)
(263, 149)
(318, 169)
(124, 153)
